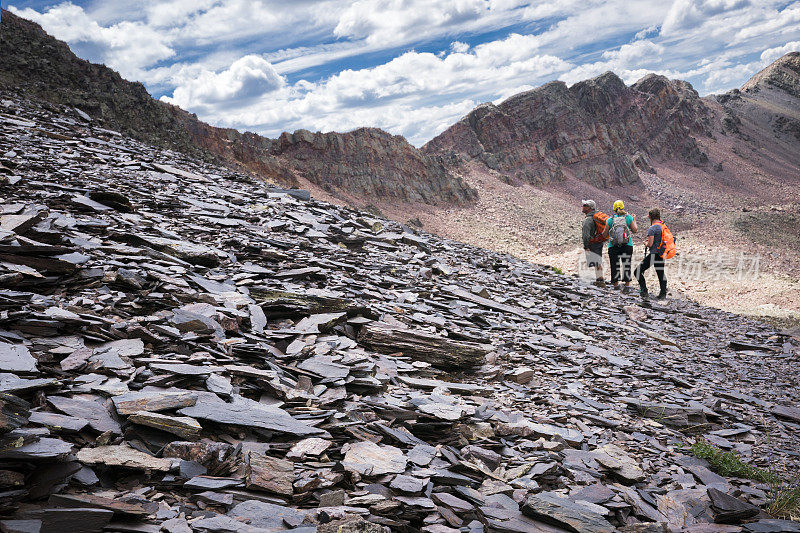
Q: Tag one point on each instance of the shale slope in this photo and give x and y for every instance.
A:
(184, 348)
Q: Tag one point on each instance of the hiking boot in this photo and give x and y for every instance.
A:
(662, 292)
(626, 289)
(644, 294)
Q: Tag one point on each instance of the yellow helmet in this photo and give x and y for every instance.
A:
(619, 205)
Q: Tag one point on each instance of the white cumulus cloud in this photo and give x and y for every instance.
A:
(688, 14)
(771, 54)
(246, 79)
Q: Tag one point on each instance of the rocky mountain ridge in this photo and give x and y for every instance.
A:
(184, 349)
(597, 130)
(366, 163)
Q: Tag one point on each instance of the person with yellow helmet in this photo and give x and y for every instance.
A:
(620, 227)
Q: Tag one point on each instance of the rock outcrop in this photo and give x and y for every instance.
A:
(370, 163)
(365, 163)
(598, 130)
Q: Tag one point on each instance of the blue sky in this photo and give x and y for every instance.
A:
(411, 67)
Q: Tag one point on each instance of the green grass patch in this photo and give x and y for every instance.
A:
(557, 270)
(784, 493)
(730, 464)
(785, 500)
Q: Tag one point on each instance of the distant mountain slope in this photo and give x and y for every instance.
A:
(606, 134)
(366, 163)
(770, 100)
(598, 130)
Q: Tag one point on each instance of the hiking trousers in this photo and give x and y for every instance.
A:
(620, 257)
(656, 261)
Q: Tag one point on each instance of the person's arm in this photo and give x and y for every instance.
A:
(651, 236)
(587, 232)
(634, 225)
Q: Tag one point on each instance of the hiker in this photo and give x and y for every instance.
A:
(593, 238)
(660, 245)
(619, 231)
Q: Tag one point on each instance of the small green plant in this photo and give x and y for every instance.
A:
(785, 499)
(557, 270)
(729, 464)
(784, 493)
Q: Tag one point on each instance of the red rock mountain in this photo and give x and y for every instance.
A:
(366, 163)
(606, 134)
(598, 130)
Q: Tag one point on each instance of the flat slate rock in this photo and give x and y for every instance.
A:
(310, 447)
(408, 484)
(72, 520)
(620, 463)
(786, 412)
(772, 525)
(420, 345)
(183, 426)
(251, 415)
(526, 428)
(269, 474)
(92, 410)
(370, 459)
(42, 449)
(123, 456)
(212, 483)
(563, 512)
(119, 508)
(325, 367)
(16, 358)
(267, 515)
(57, 422)
(729, 509)
(12, 383)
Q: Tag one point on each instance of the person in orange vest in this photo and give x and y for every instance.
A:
(654, 255)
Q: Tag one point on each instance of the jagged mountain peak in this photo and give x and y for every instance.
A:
(607, 81)
(600, 94)
(782, 74)
(598, 130)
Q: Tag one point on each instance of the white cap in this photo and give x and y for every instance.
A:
(590, 203)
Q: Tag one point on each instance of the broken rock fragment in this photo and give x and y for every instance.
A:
(269, 474)
(123, 456)
(421, 346)
(134, 402)
(370, 459)
(563, 512)
(182, 426)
